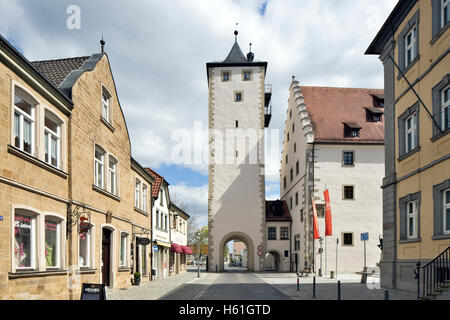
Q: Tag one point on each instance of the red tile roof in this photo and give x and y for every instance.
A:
(158, 182)
(331, 108)
(277, 211)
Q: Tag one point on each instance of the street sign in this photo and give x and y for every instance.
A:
(260, 253)
(260, 248)
(365, 236)
(155, 248)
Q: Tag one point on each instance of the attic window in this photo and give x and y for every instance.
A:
(374, 114)
(351, 130)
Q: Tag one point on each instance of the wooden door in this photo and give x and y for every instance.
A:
(106, 257)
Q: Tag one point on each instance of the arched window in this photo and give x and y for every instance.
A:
(24, 121)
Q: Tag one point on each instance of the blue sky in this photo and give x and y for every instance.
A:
(159, 49)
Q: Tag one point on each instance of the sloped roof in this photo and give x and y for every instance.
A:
(235, 55)
(158, 182)
(277, 210)
(57, 70)
(331, 108)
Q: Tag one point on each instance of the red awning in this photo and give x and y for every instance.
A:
(176, 248)
(187, 250)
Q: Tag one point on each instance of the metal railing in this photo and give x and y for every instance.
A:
(432, 276)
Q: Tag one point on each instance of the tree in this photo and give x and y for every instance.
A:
(200, 240)
(192, 228)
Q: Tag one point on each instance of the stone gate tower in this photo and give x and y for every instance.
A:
(239, 110)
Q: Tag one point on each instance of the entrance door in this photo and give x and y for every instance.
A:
(106, 257)
(138, 262)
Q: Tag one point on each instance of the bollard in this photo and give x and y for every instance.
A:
(314, 287)
(216, 268)
(339, 290)
(386, 295)
(298, 282)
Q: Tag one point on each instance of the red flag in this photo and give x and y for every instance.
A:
(328, 224)
(316, 221)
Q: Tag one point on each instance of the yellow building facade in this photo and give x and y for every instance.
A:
(413, 45)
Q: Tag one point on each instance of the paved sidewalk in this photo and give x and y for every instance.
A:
(156, 289)
(326, 289)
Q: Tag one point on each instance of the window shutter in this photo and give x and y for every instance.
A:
(401, 135)
(401, 51)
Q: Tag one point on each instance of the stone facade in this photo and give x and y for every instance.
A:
(42, 256)
(236, 199)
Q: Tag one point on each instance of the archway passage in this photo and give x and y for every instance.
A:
(239, 257)
(272, 261)
(235, 256)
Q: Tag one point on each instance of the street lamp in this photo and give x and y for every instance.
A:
(320, 251)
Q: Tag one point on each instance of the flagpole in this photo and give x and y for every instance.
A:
(326, 256)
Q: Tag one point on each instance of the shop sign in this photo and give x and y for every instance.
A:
(143, 241)
(91, 291)
(85, 223)
(155, 248)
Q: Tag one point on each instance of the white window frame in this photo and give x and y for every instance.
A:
(89, 250)
(411, 215)
(444, 5)
(144, 197)
(112, 174)
(137, 193)
(411, 46)
(23, 116)
(123, 255)
(445, 206)
(33, 237)
(106, 105)
(412, 131)
(99, 167)
(48, 135)
(444, 105)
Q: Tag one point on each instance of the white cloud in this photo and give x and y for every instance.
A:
(196, 199)
(158, 51)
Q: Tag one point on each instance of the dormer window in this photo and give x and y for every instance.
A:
(374, 114)
(351, 130)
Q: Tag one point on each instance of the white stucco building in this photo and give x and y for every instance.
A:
(178, 239)
(334, 139)
(238, 101)
(160, 225)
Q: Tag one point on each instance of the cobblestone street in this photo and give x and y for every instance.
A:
(229, 285)
(158, 288)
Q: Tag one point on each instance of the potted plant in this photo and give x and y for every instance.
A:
(137, 278)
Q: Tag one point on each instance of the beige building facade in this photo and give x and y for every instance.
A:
(75, 205)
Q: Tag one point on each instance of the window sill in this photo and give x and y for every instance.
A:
(87, 270)
(25, 156)
(440, 135)
(162, 230)
(123, 269)
(107, 124)
(34, 273)
(141, 211)
(439, 34)
(106, 193)
(408, 68)
(410, 240)
(348, 166)
(441, 236)
(410, 153)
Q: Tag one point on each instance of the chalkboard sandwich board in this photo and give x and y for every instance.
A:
(93, 291)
